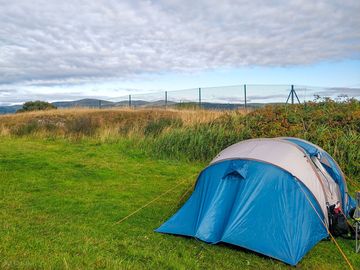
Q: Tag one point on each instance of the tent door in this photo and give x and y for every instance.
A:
(332, 190)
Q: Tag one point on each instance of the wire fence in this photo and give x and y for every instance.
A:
(236, 96)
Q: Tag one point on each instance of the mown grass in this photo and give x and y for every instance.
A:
(60, 201)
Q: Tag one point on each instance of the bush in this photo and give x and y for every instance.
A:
(36, 106)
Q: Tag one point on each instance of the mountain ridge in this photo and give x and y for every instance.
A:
(99, 103)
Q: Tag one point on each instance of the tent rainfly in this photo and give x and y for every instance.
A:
(271, 196)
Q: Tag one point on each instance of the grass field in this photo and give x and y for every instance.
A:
(60, 201)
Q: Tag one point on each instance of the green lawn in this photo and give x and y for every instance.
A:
(60, 201)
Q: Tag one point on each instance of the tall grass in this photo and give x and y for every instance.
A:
(199, 134)
(98, 123)
(333, 126)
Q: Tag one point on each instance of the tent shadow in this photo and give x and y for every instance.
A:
(233, 247)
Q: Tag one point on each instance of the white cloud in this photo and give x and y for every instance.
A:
(55, 42)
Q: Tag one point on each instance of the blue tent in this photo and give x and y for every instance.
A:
(266, 195)
(331, 167)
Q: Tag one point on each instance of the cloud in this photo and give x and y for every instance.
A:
(269, 97)
(7, 91)
(49, 42)
(17, 97)
(337, 91)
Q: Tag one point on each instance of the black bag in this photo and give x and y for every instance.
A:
(338, 225)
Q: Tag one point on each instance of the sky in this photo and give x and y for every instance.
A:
(65, 50)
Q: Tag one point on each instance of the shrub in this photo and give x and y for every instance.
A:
(36, 106)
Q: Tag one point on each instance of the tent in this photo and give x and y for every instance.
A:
(271, 196)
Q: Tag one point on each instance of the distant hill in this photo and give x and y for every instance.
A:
(221, 106)
(88, 102)
(97, 103)
(9, 109)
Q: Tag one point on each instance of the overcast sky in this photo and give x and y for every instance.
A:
(70, 49)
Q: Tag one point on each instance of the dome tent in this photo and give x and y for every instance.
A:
(265, 195)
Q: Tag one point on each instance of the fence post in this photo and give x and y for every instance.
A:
(293, 95)
(165, 99)
(199, 97)
(129, 100)
(245, 105)
(99, 103)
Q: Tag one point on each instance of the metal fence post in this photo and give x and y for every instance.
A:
(165, 99)
(296, 96)
(292, 95)
(129, 100)
(245, 105)
(199, 97)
